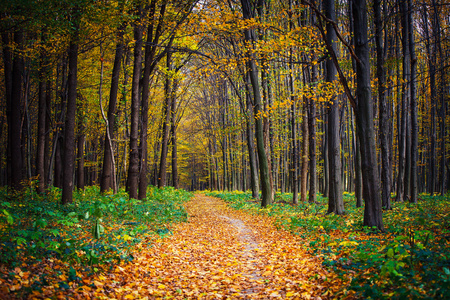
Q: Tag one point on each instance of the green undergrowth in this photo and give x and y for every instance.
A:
(95, 229)
(410, 260)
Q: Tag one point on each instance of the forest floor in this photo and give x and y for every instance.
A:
(220, 253)
(175, 245)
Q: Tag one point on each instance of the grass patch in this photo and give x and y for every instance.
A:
(94, 232)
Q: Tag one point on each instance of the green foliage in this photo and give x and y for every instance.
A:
(409, 260)
(93, 229)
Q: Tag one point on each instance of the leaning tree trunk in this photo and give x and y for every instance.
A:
(133, 167)
(108, 173)
(364, 119)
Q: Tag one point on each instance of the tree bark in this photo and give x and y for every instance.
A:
(15, 117)
(432, 171)
(414, 124)
(107, 180)
(364, 115)
(133, 167)
(250, 38)
(335, 193)
(69, 128)
(169, 89)
(254, 182)
(42, 117)
(383, 110)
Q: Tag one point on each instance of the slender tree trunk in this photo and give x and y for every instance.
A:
(250, 37)
(108, 173)
(48, 102)
(169, 90)
(133, 167)
(80, 159)
(42, 117)
(358, 172)
(371, 187)
(15, 117)
(383, 109)
(335, 196)
(251, 149)
(403, 143)
(304, 176)
(69, 128)
(173, 130)
(432, 172)
(414, 124)
(7, 70)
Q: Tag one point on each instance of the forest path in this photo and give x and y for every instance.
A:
(220, 253)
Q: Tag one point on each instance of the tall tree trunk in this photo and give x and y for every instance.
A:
(312, 144)
(169, 90)
(15, 116)
(371, 187)
(383, 109)
(251, 147)
(414, 124)
(432, 172)
(250, 37)
(133, 167)
(403, 143)
(80, 154)
(69, 128)
(42, 117)
(335, 193)
(304, 174)
(108, 173)
(173, 130)
(48, 102)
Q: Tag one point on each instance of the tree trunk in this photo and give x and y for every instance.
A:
(251, 149)
(108, 173)
(304, 176)
(414, 124)
(403, 143)
(42, 117)
(69, 128)
(364, 120)
(15, 117)
(7, 70)
(383, 110)
(80, 158)
(133, 167)
(169, 90)
(173, 131)
(250, 37)
(335, 194)
(432, 172)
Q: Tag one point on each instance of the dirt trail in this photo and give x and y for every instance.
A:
(219, 253)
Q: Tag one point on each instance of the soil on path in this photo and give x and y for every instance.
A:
(220, 253)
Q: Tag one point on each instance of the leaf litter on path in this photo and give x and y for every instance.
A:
(220, 253)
